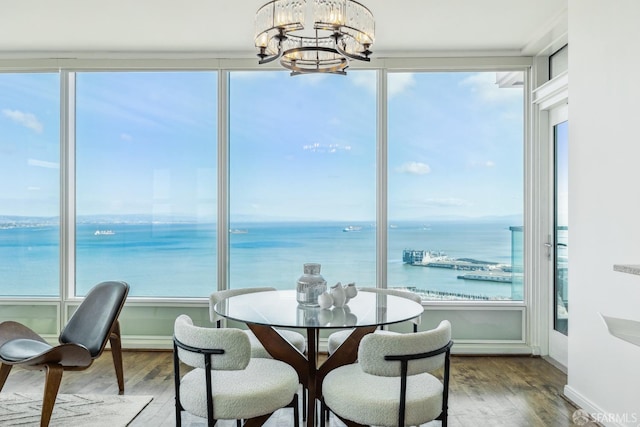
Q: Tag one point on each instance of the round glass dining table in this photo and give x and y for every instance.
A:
(264, 311)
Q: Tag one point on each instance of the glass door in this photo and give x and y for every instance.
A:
(559, 325)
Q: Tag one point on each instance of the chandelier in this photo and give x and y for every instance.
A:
(342, 30)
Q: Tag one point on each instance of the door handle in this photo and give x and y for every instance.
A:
(548, 246)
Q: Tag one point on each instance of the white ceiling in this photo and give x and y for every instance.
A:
(224, 28)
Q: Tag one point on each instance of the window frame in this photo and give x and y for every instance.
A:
(525, 167)
(69, 155)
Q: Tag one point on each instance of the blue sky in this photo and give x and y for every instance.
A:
(146, 143)
(562, 173)
(455, 146)
(29, 149)
(302, 148)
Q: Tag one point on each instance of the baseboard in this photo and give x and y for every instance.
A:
(598, 414)
(147, 343)
(555, 363)
(166, 343)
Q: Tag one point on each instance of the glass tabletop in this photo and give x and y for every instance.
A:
(280, 308)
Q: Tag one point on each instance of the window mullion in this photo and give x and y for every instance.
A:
(381, 178)
(223, 180)
(67, 185)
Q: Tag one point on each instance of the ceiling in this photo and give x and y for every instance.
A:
(224, 28)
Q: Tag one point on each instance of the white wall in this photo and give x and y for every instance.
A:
(604, 203)
(225, 28)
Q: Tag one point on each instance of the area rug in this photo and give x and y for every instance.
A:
(71, 410)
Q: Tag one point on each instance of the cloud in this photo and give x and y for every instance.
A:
(485, 87)
(396, 82)
(482, 164)
(366, 80)
(313, 79)
(251, 75)
(325, 148)
(399, 82)
(27, 120)
(126, 137)
(446, 202)
(414, 168)
(43, 164)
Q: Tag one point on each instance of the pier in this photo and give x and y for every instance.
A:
(444, 295)
(480, 270)
(488, 276)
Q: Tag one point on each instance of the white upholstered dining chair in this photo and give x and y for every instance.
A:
(336, 339)
(392, 384)
(226, 382)
(296, 339)
(257, 349)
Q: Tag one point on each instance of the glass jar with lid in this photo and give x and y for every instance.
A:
(310, 285)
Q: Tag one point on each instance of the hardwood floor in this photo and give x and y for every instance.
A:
(510, 391)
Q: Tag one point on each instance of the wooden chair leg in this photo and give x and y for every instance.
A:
(4, 373)
(51, 386)
(116, 352)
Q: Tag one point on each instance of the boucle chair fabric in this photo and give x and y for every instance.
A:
(374, 347)
(234, 342)
(336, 339)
(242, 387)
(257, 349)
(368, 392)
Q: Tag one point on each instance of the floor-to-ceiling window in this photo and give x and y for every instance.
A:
(302, 174)
(309, 162)
(455, 185)
(146, 181)
(302, 162)
(30, 176)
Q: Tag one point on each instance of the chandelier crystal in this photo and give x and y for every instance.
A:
(342, 30)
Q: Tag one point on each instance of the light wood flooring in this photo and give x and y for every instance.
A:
(510, 391)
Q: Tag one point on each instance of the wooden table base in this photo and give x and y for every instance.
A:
(309, 374)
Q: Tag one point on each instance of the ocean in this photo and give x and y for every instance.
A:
(179, 259)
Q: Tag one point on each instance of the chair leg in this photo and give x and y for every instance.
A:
(176, 385)
(116, 352)
(51, 386)
(296, 414)
(4, 373)
(304, 403)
